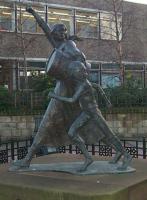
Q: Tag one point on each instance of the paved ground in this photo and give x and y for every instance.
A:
(130, 186)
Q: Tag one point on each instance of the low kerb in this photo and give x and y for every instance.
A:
(44, 185)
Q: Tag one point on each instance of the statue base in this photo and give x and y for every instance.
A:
(53, 185)
(97, 167)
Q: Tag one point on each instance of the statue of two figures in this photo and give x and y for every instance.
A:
(73, 108)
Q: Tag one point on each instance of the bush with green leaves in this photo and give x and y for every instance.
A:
(41, 82)
(6, 101)
(130, 94)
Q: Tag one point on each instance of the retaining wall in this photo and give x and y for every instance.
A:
(127, 125)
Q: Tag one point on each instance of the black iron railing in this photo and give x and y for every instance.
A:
(17, 149)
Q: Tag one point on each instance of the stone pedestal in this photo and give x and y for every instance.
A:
(45, 185)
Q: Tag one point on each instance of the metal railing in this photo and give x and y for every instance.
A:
(17, 149)
(36, 103)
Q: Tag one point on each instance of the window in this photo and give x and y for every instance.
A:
(7, 14)
(94, 75)
(26, 22)
(33, 68)
(110, 75)
(86, 24)
(42, 72)
(134, 75)
(108, 26)
(61, 16)
(110, 80)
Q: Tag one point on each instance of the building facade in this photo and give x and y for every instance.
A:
(114, 38)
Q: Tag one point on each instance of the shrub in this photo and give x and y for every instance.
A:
(6, 101)
(41, 82)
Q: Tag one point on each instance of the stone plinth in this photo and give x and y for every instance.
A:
(58, 185)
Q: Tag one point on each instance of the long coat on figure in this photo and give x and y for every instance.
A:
(59, 116)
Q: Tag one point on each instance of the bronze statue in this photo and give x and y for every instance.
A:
(70, 68)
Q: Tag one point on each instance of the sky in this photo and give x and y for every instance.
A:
(138, 1)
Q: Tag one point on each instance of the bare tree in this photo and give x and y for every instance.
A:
(117, 11)
(23, 44)
(23, 48)
(120, 23)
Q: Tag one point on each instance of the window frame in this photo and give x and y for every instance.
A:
(29, 32)
(12, 17)
(113, 37)
(72, 23)
(94, 12)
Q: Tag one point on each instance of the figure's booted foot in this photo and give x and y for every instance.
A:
(19, 164)
(87, 162)
(125, 163)
(116, 158)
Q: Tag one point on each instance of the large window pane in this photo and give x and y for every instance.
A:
(110, 75)
(87, 24)
(108, 26)
(26, 21)
(7, 17)
(134, 79)
(110, 79)
(94, 76)
(33, 68)
(134, 75)
(62, 16)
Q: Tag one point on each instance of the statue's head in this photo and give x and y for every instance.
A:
(59, 32)
(77, 71)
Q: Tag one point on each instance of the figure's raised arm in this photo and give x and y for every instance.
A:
(45, 27)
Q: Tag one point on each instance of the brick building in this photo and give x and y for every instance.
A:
(93, 21)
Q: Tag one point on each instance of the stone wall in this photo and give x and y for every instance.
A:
(16, 126)
(129, 124)
(124, 125)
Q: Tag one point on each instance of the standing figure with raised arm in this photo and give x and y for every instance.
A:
(57, 113)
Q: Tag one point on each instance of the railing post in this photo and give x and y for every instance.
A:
(15, 100)
(144, 76)
(100, 70)
(70, 148)
(93, 149)
(31, 100)
(12, 149)
(144, 148)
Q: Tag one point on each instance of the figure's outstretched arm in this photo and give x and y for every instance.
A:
(100, 89)
(73, 99)
(45, 27)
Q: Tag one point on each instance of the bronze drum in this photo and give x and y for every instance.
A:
(57, 64)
